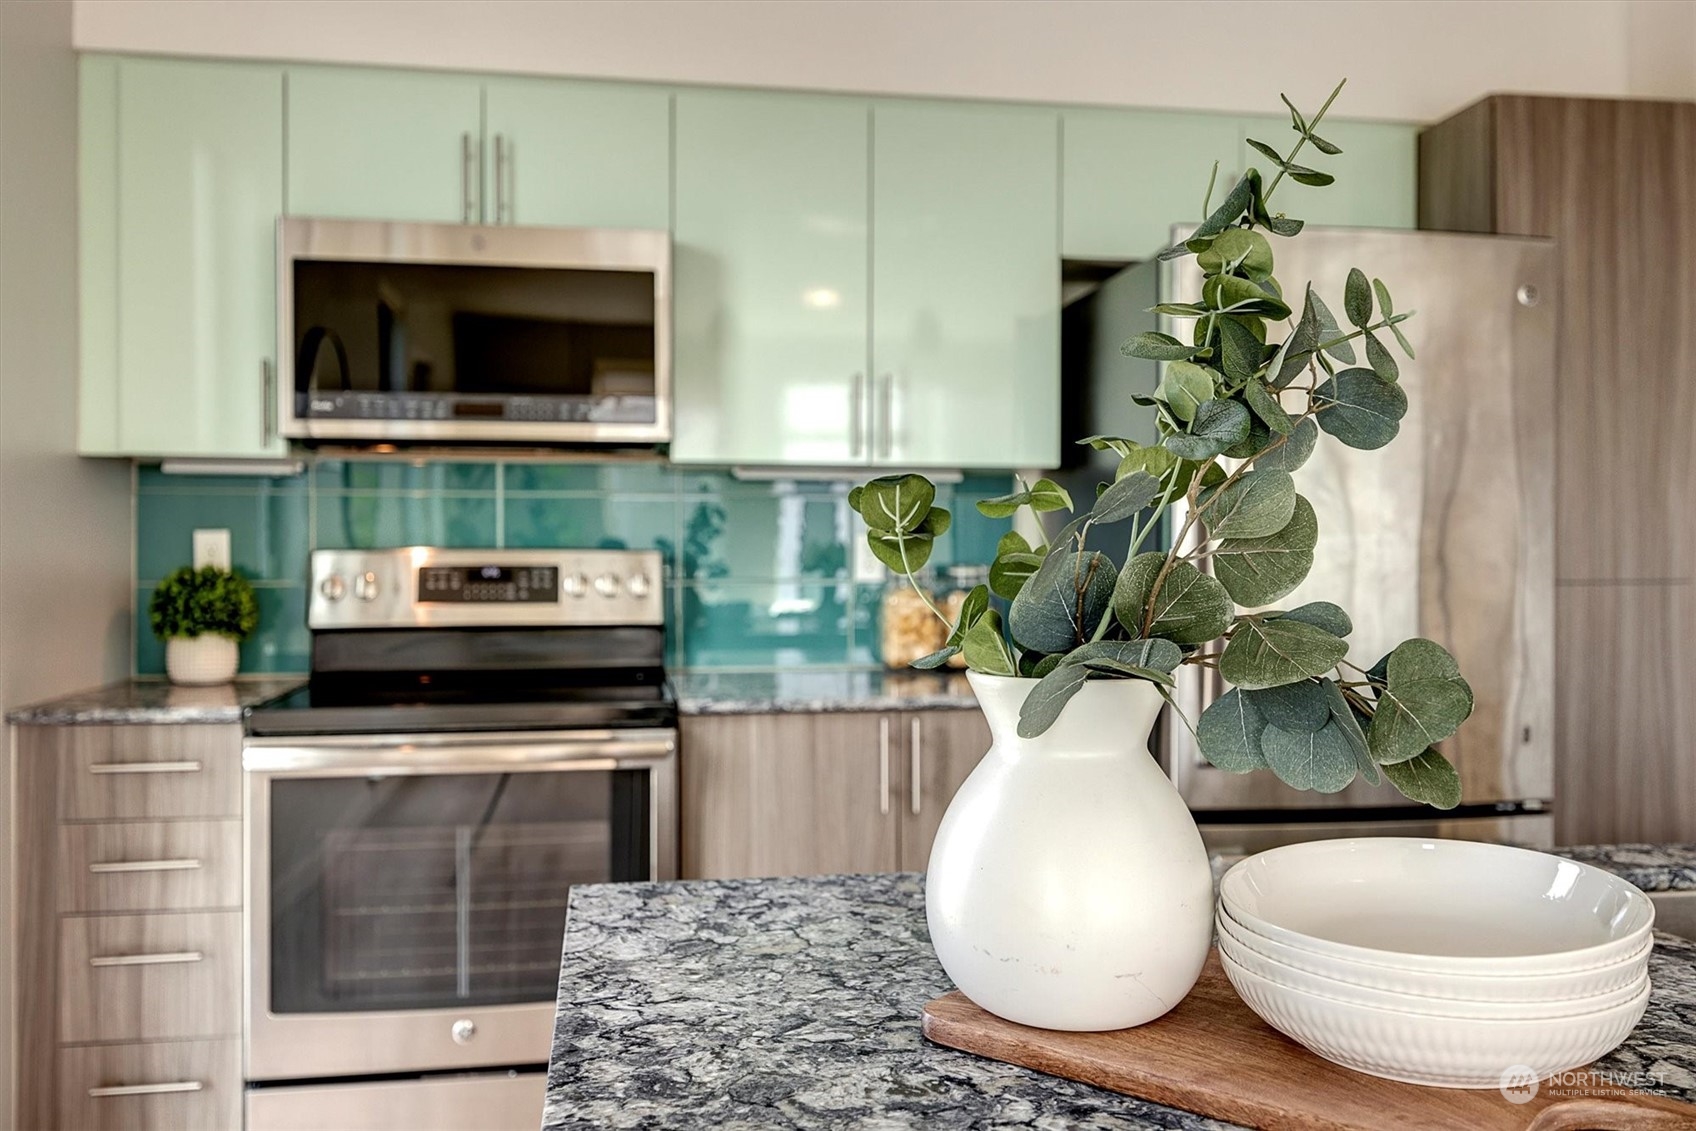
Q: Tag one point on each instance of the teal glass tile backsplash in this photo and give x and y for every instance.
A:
(759, 574)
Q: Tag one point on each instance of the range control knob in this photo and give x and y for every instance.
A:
(637, 585)
(333, 587)
(575, 584)
(607, 585)
(463, 1030)
(365, 586)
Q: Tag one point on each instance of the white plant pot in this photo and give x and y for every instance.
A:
(199, 660)
(1068, 886)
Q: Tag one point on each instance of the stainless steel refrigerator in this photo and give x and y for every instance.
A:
(1448, 532)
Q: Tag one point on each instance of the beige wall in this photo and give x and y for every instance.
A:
(64, 521)
(1412, 60)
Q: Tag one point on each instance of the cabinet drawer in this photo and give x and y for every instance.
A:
(172, 1086)
(138, 772)
(150, 866)
(149, 977)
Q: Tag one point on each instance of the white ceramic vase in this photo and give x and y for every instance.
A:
(199, 660)
(1068, 886)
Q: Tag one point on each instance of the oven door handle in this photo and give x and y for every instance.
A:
(402, 754)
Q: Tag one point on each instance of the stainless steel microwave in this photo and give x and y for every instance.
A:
(450, 333)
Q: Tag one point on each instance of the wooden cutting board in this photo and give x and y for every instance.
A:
(1213, 1056)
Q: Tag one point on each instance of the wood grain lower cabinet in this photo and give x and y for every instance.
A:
(128, 927)
(800, 794)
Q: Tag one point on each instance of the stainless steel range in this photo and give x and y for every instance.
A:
(481, 730)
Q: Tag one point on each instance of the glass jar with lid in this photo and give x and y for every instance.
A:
(909, 629)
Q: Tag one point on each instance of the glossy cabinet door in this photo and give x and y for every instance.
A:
(770, 257)
(1377, 173)
(572, 154)
(941, 749)
(966, 286)
(1127, 176)
(198, 170)
(384, 145)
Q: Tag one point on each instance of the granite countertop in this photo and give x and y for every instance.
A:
(760, 693)
(1653, 867)
(796, 1002)
(153, 701)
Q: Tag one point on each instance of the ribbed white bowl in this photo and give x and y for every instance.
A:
(1439, 906)
(1274, 971)
(1506, 988)
(1444, 1052)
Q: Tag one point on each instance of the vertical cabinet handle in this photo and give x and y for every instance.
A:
(916, 766)
(886, 417)
(883, 766)
(467, 170)
(856, 415)
(502, 212)
(145, 1089)
(268, 397)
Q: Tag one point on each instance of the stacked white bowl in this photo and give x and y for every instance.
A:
(1439, 962)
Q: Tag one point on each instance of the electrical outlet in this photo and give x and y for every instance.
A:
(212, 548)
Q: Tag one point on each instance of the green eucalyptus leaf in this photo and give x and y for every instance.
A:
(1241, 296)
(1294, 451)
(1009, 572)
(1297, 122)
(1185, 388)
(1256, 505)
(1116, 444)
(1407, 346)
(1065, 599)
(1229, 734)
(1240, 352)
(1231, 209)
(1357, 298)
(896, 502)
(1180, 309)
(1343, 717)
(1218, 425)
(1361, 409)
(1155, 346)
(1125, 497)
(936, 659)
(904, 551)
(1322, 145)
(972, 609)
(1301, 174)
(1383, 363)
(1299, 707)
(1267, 151)
(1257, 571)
(1264, 403)
(1012, 542)
(1240, 250)
(1383, 293)
(1272, 652)
(937, 522)
(1424, 700)
(1259, 436)
(1328, 331)
(1322, 614)
(1156, 654)
(1040, 665)
(1428, 778)
(1320, 761)
(854, 496)
(1155, 461)
(986, 648)
(1283, 225)
(1190, 608)
(1049, 697)
(1047, 495)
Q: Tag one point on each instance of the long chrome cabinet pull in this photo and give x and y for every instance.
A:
(857, 415)
(916, 766)
(883, 766)
(167, 958)
(184, 865)
(269, 387)
(145, 1089)
(466, 171)
(145, 768)
(886, 422)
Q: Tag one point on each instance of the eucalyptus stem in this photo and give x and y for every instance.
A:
(1290, 160)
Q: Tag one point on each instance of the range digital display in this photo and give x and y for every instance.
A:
(490, 584)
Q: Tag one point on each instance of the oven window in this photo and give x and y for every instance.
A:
(434, 891)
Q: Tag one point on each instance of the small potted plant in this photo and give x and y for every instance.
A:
(202, 615)
(1068, 887)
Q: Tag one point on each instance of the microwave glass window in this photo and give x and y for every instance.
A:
(469, 331)
(436, 891)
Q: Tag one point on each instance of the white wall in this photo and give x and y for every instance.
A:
(1410, 60)
(64, 521)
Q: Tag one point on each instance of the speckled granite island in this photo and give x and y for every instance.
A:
(795, 1003)
(141, 702)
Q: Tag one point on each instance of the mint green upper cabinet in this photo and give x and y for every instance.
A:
(1377, 173)
(199, 185)
(966, 286)
(1128, 175)
(576, 154)
(384, 145)
(769, 249)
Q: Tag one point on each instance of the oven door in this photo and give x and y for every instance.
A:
(406, 895)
